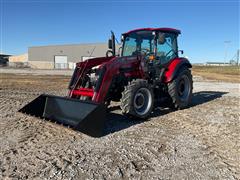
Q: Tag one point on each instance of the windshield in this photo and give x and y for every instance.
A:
(137, 42)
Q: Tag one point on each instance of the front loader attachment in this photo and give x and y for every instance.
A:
(87, 117)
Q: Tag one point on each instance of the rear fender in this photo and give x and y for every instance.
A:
(174, 67)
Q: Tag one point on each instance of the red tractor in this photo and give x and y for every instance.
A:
(147, 72)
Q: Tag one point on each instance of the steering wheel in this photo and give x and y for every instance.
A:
(145, 50)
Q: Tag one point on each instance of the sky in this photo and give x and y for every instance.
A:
(210, 28)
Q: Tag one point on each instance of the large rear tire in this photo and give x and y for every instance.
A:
(137, 99)
(180, 89)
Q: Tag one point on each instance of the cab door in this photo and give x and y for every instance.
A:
(166, 48)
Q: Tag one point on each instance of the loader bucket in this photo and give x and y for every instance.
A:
(87, 117)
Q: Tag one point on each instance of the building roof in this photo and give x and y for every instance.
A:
(67, 45)
(1, 54)
(217, 62)
(156, 29)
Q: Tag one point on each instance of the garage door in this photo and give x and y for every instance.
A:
(60, 62)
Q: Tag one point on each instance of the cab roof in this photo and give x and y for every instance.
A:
(155, 29)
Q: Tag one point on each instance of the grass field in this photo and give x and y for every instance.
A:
(221, 73)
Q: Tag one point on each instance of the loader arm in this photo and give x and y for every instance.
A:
(82, 68)
(125, 67)
(108, 69)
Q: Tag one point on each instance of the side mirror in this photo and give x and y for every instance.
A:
(110, 43)
(161, 38)
(122, 38)
(181, 51)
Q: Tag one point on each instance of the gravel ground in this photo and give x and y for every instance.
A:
(201, 142)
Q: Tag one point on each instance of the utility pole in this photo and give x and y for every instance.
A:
(238, 52)
(226, 48)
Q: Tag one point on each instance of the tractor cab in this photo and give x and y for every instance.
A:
(158, 45)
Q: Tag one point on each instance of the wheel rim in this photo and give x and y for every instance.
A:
(142, 101)
(184, 88)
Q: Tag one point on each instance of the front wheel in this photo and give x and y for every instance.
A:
(180, 89)
(137, 99)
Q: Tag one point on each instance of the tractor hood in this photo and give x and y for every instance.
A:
(89, 63)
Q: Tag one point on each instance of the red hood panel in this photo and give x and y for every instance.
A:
(95, 61)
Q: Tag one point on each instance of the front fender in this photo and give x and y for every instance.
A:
(174, 67)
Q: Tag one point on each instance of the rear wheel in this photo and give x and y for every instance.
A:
(137, 99)
(180, 89)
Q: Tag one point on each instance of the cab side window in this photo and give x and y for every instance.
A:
(166, 47)
(130, 46)
(147, 45)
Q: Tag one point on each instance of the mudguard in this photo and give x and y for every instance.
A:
(174, 67)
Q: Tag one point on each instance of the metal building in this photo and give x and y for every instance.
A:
(63, 56)
(18, 60)
(4, 59)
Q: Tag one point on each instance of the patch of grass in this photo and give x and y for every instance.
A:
(230, 70)
(219, 73)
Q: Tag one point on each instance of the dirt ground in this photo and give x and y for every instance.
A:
(201, 142)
